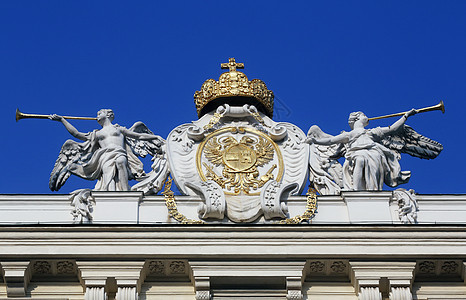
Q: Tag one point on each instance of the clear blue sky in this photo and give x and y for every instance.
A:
(145, 59)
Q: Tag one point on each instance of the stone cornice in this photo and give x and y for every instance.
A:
(297, 242)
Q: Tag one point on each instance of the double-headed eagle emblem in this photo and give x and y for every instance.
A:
(240, 161)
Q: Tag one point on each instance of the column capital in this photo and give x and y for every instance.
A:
(126, 273)
(369, 273)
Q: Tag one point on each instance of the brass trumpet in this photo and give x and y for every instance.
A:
(20, 115)
(439, 106)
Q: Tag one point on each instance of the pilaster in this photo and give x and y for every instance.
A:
(95, 293)
(369, 293)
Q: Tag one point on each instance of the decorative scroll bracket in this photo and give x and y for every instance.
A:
(213, 197)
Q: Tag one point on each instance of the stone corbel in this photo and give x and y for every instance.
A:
(17, 275)
(294, 287)
(202, 287)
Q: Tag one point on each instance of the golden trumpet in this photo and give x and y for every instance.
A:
(20, 115)
(439, 106)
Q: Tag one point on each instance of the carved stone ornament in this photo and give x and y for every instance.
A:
(177, 267)
(316, 266)
(243, 152)
(65, 267)
(294, 295)
(203, 295)
(82, 203)
(449, 267)
(156, 267)
(42, 267)
(213, 197)
(272, 199)
(338, 267)
(427, 267)
(407, 205)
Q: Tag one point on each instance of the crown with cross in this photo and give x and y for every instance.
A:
(233, 88)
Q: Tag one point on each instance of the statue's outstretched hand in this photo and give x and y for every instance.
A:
(412, 112)
(56, 117)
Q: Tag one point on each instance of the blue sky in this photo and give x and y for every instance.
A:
(145, 60)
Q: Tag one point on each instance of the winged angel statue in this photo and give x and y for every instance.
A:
(371, 155)
(110, 156)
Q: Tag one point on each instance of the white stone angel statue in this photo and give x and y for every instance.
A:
(108, 155)
(371, 155)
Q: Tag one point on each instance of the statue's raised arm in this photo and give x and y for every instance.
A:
(71, 129)
(371, 155)
(108, 155)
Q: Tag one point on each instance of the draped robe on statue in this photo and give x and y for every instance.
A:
(100, 163)
(380, 164)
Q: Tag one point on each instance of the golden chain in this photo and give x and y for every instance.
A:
(172, 208)
(311, 206)
(309, 213)
(213, 121)
(258, 118)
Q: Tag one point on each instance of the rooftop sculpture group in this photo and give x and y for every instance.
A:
(371, 155)
(240, 162)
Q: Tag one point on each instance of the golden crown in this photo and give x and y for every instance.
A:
(234, 88)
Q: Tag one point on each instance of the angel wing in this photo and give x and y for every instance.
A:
(264, 152)
(71, 153)
(325, 172)
(213, 151)
(142, 148)
(152, 182)
(406, 140)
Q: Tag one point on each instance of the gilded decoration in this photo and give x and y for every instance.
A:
(240, 160)
(172, 207)
(309, 213)
(233, 83)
